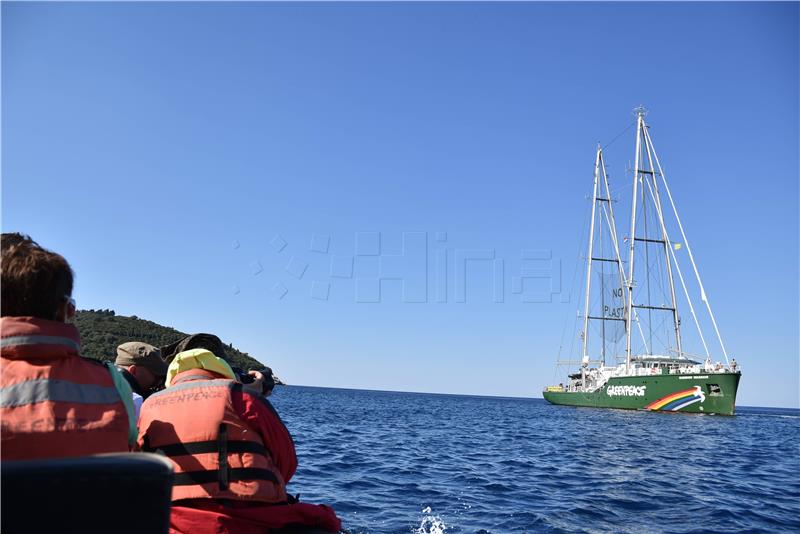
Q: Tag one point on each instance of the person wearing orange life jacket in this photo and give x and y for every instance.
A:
(53, 402)
(231, 452)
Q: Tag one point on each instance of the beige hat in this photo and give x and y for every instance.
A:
(138, 353)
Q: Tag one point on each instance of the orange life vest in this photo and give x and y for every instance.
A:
(216, 454)
(53, 403)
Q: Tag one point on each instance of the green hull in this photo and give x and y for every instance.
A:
(711, 393)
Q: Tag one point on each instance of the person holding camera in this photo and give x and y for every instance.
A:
(257, 382)
(231, 452)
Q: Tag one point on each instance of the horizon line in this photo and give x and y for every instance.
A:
(797, 408)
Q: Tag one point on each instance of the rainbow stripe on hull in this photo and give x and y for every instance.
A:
(680, 399)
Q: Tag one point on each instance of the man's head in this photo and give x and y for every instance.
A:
(35, 281)
(143, 361)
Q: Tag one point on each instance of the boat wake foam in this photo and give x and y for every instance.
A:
(430, 524)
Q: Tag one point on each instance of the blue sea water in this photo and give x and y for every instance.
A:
(421, 463)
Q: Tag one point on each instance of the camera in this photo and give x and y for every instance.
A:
(245, 378)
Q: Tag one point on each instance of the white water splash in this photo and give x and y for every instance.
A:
(431, 524)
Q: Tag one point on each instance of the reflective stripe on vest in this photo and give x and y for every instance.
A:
(15, 341)
(187, 377)
(53, 403)
(219, 383)
(44, 390)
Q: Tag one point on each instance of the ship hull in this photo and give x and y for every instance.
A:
(712, 393)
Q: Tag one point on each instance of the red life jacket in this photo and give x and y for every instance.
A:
(53, 403)
(216, 454)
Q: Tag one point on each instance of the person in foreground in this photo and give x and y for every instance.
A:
(232, 453)
(53, 402)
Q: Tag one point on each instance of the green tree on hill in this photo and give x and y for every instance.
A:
(103, 330)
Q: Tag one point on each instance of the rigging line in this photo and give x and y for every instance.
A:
(615, 241)
(602, 298)
(646, 261)
(657, 201)
(581, 234)
(626, 184)
(609, 215)
(618, 136)
(617, 189)
(703, 295)
(683, 285)
(590, 253)
(665, 344)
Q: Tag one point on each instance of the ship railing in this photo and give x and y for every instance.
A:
(717, 369)
(655, 371)
(693, 370)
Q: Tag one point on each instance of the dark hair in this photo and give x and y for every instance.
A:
(35, 281)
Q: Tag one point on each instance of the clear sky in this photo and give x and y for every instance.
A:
(252, 170)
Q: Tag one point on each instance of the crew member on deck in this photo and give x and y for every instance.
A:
(232, 453)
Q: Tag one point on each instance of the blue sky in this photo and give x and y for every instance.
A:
(231, 168)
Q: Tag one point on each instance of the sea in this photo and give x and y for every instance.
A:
(418, 463)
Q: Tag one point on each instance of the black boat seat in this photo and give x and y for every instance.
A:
(119, 493)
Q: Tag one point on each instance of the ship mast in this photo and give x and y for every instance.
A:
(601, 207)
(585, 357)
(665, 239)
(645, 178)
(640, 112)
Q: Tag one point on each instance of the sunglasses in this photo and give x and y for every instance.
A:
(71, 306)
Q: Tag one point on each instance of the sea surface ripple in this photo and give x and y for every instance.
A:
(422, 463)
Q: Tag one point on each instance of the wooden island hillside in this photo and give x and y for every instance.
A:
(103, 330)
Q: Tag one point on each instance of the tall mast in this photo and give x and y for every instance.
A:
(645, 171)
(640, 113)
(585, 357)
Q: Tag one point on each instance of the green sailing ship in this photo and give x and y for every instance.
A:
(633, 353)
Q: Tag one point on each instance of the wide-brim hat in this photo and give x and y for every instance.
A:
(143, 355)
